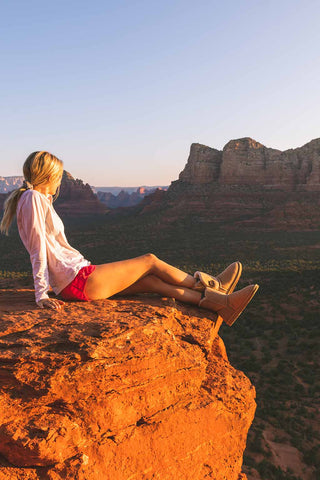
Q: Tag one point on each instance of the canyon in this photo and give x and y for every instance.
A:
(76, 197)
(124, 198)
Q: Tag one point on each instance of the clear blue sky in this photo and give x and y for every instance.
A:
(120, 89)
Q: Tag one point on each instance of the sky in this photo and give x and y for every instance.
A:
(119, 90)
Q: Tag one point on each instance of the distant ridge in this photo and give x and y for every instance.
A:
(7, 184)
(110, 197)
(115, 190)
(124, 198)
(75, 197)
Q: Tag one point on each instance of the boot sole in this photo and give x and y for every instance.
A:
(230, 321)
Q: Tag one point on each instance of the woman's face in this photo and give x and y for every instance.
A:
(53, 185)
(50, 186)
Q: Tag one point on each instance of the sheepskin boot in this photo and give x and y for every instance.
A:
(229, 307)
(225, 282)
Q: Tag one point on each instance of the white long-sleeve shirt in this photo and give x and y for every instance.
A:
(54, 262)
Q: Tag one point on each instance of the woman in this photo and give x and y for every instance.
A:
(55, 263)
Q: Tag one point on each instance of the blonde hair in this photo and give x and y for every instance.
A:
(36, 170)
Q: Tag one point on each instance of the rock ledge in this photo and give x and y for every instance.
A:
(129, 388)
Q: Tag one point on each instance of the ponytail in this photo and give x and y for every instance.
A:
(10, 208)
(36, 169)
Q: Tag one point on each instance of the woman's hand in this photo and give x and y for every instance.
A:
(51, 303)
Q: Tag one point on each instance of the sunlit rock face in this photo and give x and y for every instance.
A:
(247, 162)
(203, 165)
(245, 185)
(122, 388)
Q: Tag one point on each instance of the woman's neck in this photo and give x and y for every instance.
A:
(45, 189)
(42, 189)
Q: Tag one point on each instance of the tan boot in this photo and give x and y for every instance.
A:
(229, 307)
(225, 282)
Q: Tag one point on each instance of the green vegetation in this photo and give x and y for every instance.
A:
(275, 342)
(5, 274)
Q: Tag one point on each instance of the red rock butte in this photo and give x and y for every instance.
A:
(126, 388)
(245, 185)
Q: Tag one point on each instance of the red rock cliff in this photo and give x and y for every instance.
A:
(245, 184)
(118, 389)
(245, 161)
(77, 198)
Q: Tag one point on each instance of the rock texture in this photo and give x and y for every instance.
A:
(245, 184)
(247, 162)
(77, 198)
(203, 165)
(125, 388)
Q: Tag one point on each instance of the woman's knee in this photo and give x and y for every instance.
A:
(150, 259)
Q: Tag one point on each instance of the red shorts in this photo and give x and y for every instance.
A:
(75, 289)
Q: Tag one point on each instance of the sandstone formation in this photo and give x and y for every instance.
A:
(247, 162)
(245, 184)
(125, 388)
(203, 165)
(76, 198)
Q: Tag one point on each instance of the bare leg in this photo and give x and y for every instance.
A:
(111, 278)
(153, 284)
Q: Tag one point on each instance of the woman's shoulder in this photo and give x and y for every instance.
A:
(30, 197)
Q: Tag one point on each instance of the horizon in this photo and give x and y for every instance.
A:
(100, 186)
(126, 88)
(170, 181)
